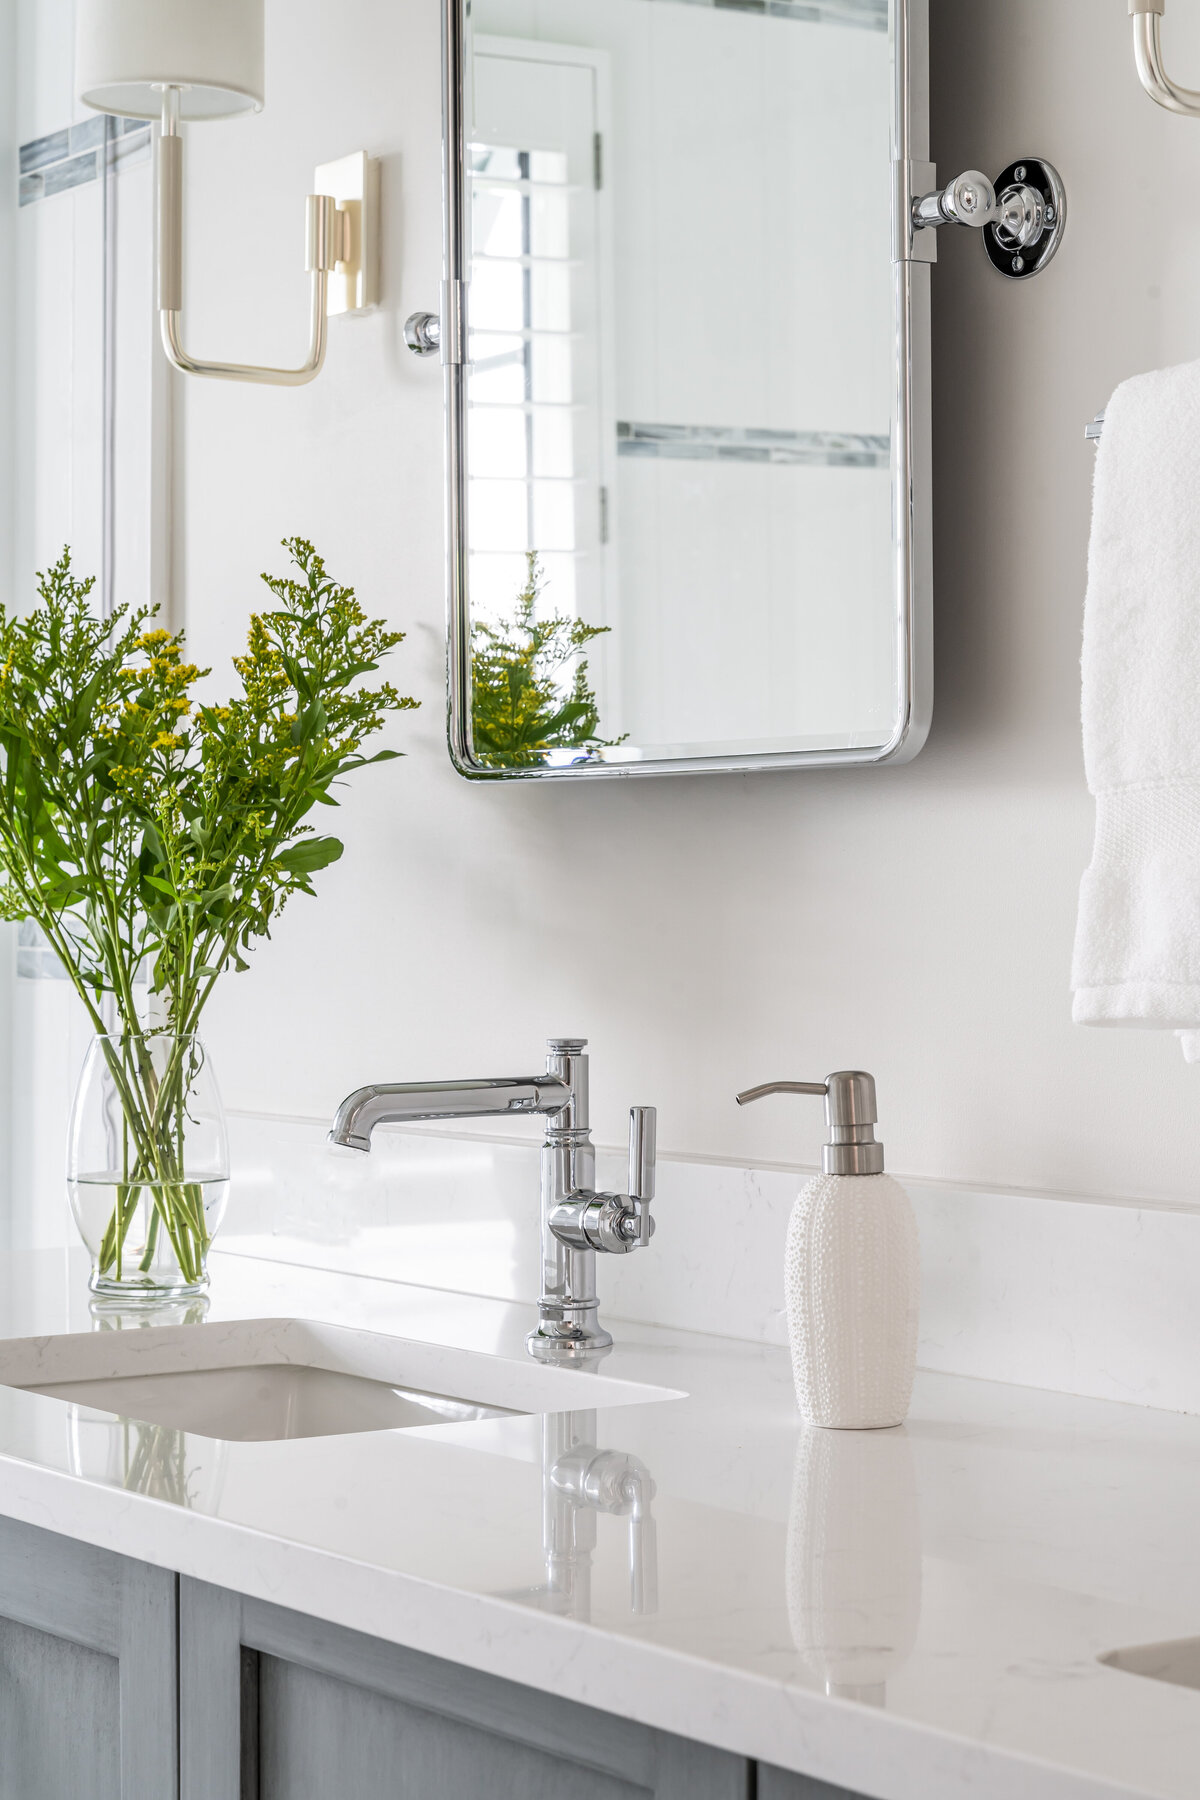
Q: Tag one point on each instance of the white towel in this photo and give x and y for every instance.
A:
(1137, 946)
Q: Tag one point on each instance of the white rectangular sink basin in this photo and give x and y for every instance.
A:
(289, 1378)
(1177, 1661)
(267, 1400)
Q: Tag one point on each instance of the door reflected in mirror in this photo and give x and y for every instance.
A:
(687, 357)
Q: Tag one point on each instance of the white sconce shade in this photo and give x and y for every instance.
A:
(127, 51)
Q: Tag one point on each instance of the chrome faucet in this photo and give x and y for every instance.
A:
(576, 1220)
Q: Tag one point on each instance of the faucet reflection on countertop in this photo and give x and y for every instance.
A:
(579, 1482)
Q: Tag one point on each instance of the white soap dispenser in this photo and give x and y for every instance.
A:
(852, 1272)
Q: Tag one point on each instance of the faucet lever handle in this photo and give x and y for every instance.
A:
(643, 1136)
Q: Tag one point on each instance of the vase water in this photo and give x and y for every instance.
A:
(148, 1164)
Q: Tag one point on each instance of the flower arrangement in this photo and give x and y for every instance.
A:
(152, 835)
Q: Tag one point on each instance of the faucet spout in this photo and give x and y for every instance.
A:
(393, 1102)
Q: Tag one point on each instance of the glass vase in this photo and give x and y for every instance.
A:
(148, 1164)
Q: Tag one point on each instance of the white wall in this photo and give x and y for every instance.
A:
(708, 932)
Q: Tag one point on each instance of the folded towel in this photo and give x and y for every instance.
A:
(1137, 946)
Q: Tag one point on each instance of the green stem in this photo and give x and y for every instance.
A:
(154, 1109)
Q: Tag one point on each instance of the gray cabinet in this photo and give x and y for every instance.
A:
(780, 1784)
(123, 1682)
(87, 1672)
(277, 1706)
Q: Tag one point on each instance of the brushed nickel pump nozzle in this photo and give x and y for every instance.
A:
(850, 1115)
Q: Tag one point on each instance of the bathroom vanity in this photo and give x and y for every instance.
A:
(640, 1579)
(127, 1673)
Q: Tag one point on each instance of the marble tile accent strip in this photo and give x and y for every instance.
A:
(734, 443)
(68, 159)
(70, 174)
(88, 134)
(50, 149)
(860, 15)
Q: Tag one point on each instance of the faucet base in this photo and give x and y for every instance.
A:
(558, 1341)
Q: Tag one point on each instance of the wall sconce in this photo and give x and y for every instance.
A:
(193, 60)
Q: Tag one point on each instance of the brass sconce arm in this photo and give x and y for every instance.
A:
(330, 244)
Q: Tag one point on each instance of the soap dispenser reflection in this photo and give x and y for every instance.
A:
(852, 1271)
(854, 1559)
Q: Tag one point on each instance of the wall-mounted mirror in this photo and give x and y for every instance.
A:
(687, 385)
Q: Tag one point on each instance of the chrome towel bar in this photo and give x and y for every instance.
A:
(1147, 53)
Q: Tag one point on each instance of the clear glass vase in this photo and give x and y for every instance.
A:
(148, 1164)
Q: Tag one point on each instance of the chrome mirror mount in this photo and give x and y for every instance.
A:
(1022, 215)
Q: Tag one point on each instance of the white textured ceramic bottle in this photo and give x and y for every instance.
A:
(852, 1274)
(852, 1279)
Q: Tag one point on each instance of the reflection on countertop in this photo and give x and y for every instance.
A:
(911, 1613)
(581, 1482)
(854, 1558)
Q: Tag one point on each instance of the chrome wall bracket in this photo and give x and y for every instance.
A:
(423, 333)
(1021, 216)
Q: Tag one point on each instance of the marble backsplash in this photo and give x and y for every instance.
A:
(1078, 1296)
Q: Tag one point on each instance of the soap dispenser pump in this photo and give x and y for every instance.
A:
(852, 1273)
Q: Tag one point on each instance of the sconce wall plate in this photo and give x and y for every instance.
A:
(353, 182)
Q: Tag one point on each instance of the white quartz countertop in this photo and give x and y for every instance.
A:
(914, 1615)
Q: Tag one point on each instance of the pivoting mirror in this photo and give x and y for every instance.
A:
(686, 352)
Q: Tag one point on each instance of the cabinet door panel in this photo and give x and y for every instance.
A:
(320, 1736)
(780, 1784)
(87, 1672)
(60, 1727)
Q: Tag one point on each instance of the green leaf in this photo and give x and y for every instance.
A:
(310, 854)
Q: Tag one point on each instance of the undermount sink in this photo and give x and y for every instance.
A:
(1177, 1661)
(291, 1378)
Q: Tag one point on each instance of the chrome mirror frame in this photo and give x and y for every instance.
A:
(911, 468)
